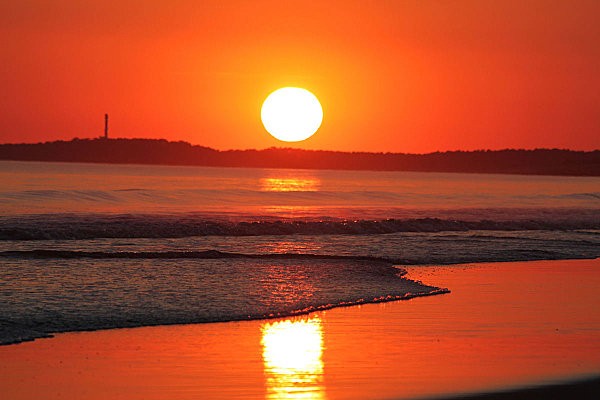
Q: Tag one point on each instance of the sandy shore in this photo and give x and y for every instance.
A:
(504, 326)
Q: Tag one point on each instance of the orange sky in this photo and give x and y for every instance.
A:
(401, 76)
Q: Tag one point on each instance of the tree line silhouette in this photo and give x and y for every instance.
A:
(163, 152)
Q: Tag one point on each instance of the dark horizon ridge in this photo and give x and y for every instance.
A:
(163, 152)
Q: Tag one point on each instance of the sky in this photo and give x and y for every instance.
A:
(392, 76)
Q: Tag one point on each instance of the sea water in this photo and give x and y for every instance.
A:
(92, 246)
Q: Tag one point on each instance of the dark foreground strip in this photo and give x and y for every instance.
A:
(579, 390)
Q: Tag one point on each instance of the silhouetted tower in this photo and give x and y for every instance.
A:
(105, 126)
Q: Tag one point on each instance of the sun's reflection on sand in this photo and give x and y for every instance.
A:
(292, 357)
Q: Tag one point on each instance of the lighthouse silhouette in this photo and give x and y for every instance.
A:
(105, 126)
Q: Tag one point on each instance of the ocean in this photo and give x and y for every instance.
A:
(93, 246)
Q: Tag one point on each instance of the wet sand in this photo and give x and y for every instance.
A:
(503, 326)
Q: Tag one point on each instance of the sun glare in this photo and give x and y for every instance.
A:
(291, 114)
(292, 355)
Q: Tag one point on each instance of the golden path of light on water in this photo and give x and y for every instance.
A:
(289, 184)
(292, 357)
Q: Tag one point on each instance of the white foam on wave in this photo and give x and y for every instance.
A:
(91, 226)
(40, 297)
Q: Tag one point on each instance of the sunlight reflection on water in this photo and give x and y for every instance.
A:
(287, 246)
(290, 184)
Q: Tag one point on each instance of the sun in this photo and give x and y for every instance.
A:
(291, 114)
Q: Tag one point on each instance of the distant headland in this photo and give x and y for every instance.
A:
(163, 152)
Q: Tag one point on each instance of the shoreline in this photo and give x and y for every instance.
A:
(505, 326)
(190, 308)
(402, 272)
(299, 313)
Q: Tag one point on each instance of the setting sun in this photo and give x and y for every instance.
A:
(291, 114)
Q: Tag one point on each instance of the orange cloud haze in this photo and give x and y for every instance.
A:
(406, 76)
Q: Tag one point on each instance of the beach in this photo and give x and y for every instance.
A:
(300, 200)
(503, 326)
(153, 289)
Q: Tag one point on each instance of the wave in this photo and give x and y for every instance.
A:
(590, 195)
(198, 255)
(88, 294)
(67, 226)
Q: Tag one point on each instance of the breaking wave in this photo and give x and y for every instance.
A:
(198, 255)
(40, 297)
(78, 227)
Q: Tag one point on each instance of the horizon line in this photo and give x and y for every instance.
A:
(102, 138)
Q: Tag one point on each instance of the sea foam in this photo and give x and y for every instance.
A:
(41, 297)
